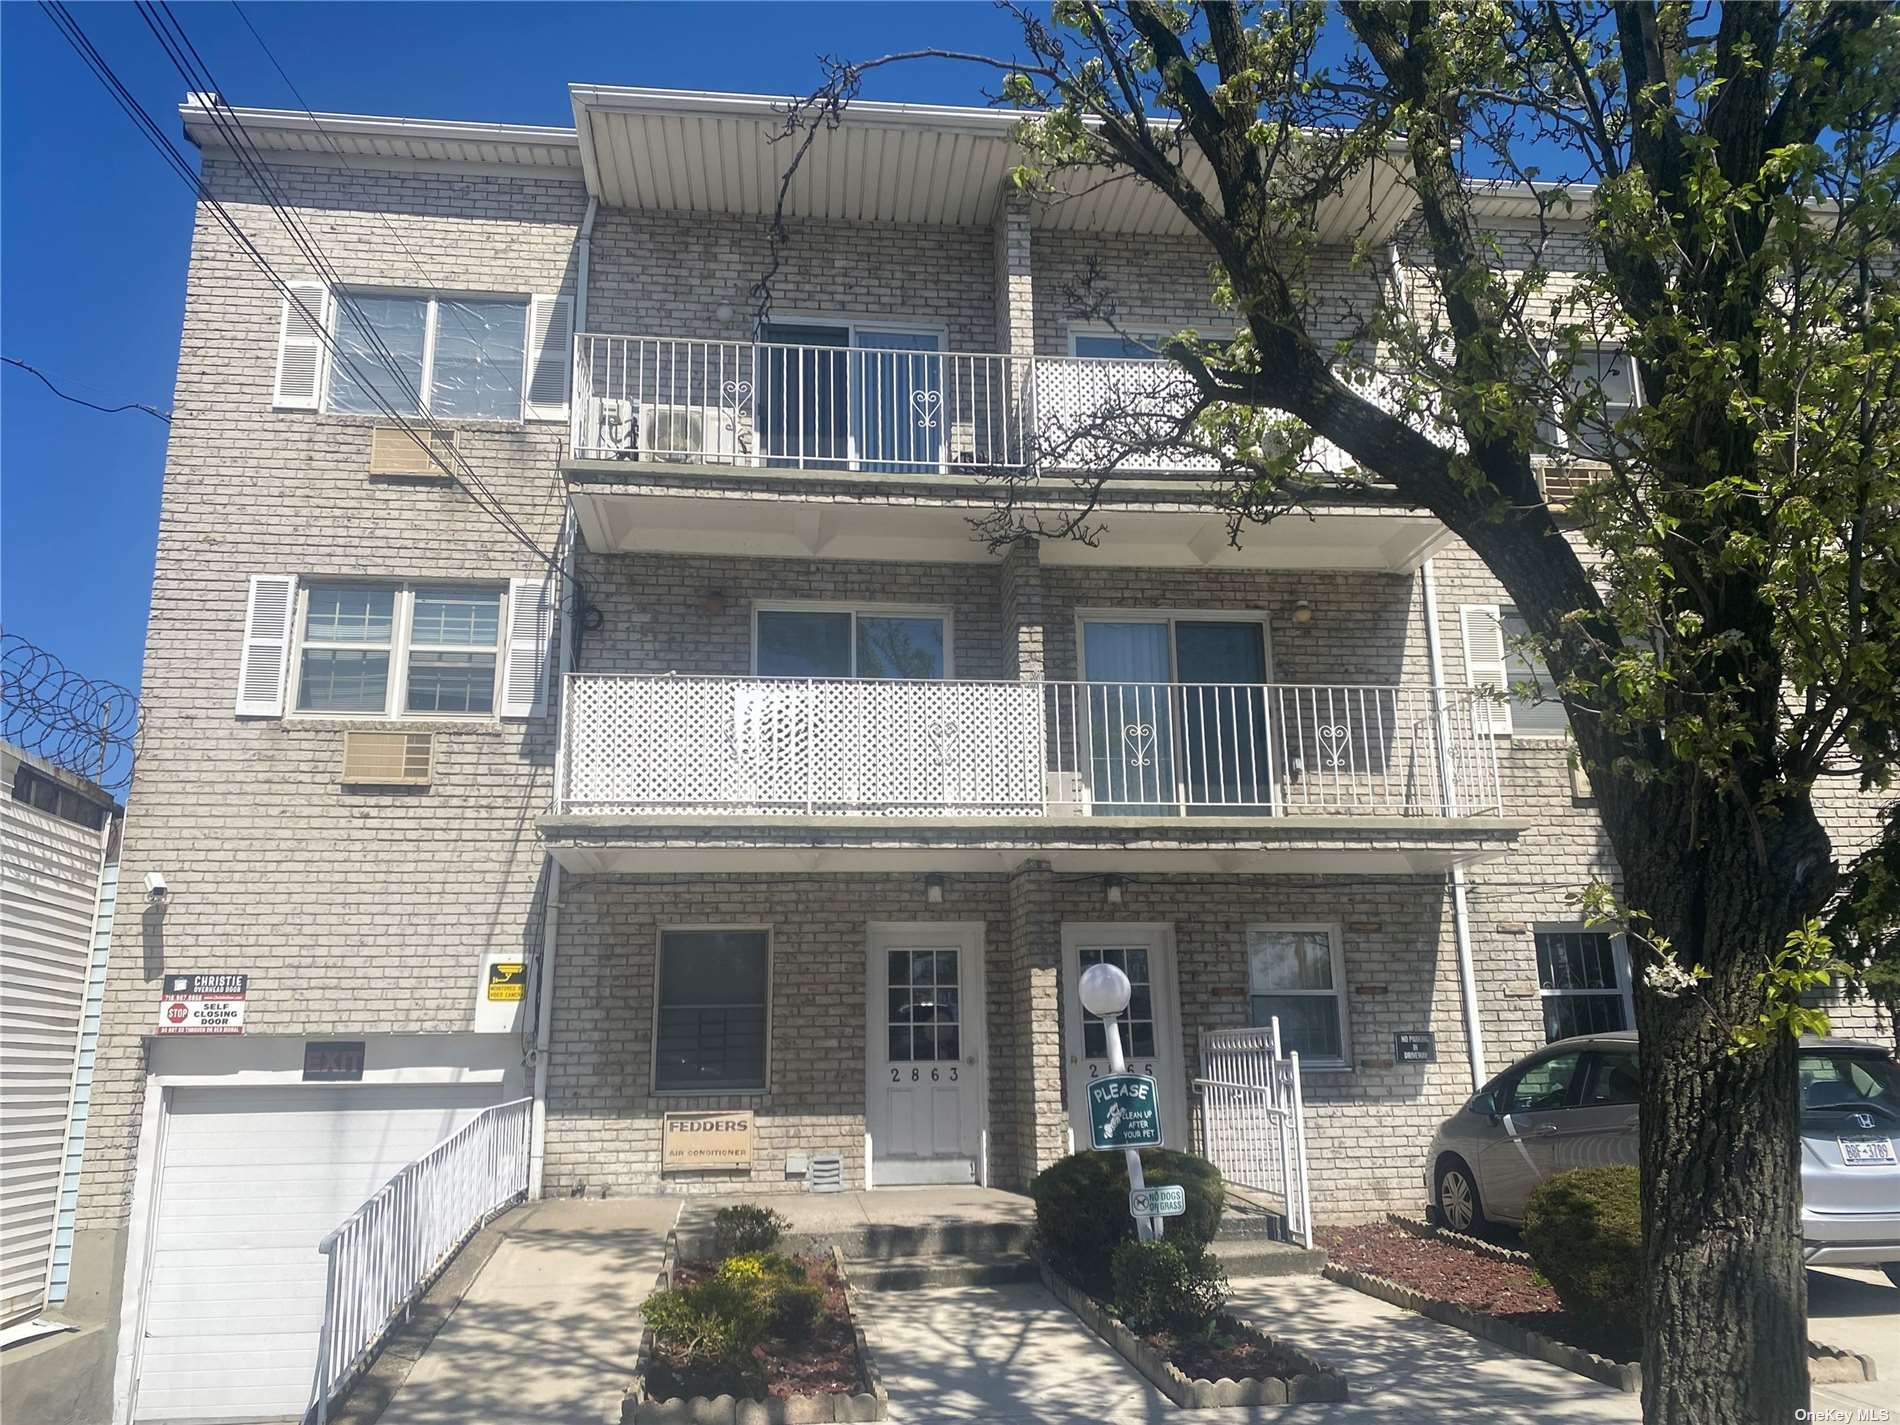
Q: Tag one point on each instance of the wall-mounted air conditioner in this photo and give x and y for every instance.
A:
(388, 759)
(693, 434)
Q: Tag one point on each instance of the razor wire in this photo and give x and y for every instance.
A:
(89, 726)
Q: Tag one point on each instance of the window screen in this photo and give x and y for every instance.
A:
(712, 1017)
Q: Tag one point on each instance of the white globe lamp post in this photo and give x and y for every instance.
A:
(1105, 992)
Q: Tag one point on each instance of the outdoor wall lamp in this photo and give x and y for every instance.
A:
(1112, 887)
(933, 889)
(1302, 612)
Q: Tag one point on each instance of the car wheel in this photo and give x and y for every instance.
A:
(1458, 1205)
(1892, 1269)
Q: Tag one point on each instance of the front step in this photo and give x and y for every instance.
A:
(1260, 1257)
(877, 1242)
(915, 1273)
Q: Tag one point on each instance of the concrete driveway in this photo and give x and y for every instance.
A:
(1858, 1310)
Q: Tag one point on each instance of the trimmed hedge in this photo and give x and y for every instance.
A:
(1168, 1286)
(1082, 1208)
(1584, 1230)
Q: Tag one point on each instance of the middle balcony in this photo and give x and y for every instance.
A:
(687, 772)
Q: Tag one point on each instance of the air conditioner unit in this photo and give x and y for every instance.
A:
(694, 434)
(394, 451)
(388, 759)
(615, 428)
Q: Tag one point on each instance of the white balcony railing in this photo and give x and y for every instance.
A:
(385, 1254)
(887, 409)
(638, 745)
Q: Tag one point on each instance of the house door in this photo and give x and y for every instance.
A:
(1150, 1030)
(924, 1054)
(837, 396)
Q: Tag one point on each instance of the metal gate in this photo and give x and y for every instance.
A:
(1253, 1125)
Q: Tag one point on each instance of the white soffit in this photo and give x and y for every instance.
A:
(367, 138)
(612, 522)
(885, 163)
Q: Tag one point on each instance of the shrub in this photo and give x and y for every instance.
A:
(796, 1307)
(1584, 1230)
(745, 1227)
(1168, 1286)
(712, 1326)
(1082, 1208)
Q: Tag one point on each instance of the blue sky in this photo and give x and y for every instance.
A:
(95, 231)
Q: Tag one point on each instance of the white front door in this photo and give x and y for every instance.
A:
(924, 1054)
(1150, 1030)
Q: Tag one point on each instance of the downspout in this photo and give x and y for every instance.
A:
(1460, 909)
(551, 908)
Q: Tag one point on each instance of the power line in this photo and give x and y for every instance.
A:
(82, 401)
(247, 155)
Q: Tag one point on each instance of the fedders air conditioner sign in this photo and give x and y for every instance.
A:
(1124, 1112)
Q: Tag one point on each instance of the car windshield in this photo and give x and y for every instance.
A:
(1839, 1082)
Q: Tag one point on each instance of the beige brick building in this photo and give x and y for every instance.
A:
(776, 788)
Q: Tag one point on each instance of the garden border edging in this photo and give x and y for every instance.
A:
(872, 1404)
(1315, 1380)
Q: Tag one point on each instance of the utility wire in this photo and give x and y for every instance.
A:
(82, 401)
(200, 79)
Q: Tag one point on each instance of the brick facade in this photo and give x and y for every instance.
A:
(369, 912)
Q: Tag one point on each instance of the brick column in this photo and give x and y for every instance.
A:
(1022, 611)
(1037, 1131)
(1015, 301)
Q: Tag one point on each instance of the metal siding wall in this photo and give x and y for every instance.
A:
(48, 896)
(82, 1086)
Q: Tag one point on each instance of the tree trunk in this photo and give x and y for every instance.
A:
(1725, 1333)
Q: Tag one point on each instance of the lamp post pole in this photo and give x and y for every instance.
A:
(1105, 992)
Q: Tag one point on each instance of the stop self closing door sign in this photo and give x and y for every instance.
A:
(202, 1004)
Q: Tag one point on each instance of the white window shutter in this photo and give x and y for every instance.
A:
(1484, 657)
(265, 664)
(550, 335)
(524, 674)
(300, 350)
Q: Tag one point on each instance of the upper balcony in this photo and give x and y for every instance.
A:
(678, 772)
(658, 419)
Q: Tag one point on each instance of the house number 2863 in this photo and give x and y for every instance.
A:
(916, 1075)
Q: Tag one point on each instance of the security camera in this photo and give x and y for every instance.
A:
(156, 891)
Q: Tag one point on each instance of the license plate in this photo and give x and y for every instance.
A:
(1866, 1150)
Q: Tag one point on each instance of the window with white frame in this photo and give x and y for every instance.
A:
(1498, 654)
(393, 650)
(1138, 346)
(1603, 381)
(711, 1020)
(790, 641)
(1295, 973)
(1583, 978)
(449, 357)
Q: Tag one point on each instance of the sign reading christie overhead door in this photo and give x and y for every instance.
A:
(202, 1004)
(706, 1140)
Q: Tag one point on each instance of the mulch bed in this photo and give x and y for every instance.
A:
(824, 1363)
(1235, 1354)
(1510, 1291)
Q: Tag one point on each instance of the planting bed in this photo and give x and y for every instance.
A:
(1235, 1365)
(828, 1376)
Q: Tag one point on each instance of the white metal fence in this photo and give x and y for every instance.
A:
(845, 746)
(1253, 1120)
(892, 406)
(383, 1257)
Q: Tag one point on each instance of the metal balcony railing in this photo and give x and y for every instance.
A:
(641, 745)
(886, 409)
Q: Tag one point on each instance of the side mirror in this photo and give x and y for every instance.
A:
(1486, 1102)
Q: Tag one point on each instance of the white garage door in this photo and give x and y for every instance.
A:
(250, 1181)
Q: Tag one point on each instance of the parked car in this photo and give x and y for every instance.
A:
(1572, 1104)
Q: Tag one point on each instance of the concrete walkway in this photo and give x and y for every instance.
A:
(1857, 1309)
(547, 1333)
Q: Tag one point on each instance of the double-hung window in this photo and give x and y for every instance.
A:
(1603, 384)
(447, 357)
(1134, 346)
(1295, 974)
(710, 1031)
(388, 649)
(793, 642)
(1583, 978)
(1498, 655)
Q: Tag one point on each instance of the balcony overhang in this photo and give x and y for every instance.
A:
(930, 518)
(1305, 845)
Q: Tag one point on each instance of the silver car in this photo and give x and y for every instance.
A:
(1572, 1104)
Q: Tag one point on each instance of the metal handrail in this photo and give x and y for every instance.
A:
(382, 1257)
